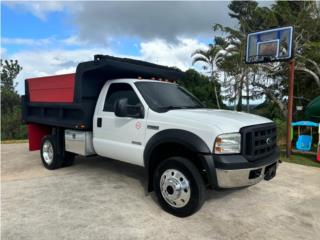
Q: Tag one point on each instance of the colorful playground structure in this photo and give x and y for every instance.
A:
(307, 130)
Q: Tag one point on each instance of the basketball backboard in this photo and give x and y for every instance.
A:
(270, 45)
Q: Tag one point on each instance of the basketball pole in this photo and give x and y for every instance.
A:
(290, 106)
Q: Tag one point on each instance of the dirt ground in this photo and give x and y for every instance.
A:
(99, 198)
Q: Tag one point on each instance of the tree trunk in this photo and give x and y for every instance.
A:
(247, 86)
(216, 94)
(215, 87)
(269, 94)
(235, 96)
(313, 74)
(239, 105)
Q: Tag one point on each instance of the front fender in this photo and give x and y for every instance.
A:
(185, 138)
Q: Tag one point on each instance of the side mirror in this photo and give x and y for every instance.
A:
(123, 109)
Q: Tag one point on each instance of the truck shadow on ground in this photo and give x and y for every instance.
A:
(136, 172)
(112, 166)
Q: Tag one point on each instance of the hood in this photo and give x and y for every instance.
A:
(227, 121)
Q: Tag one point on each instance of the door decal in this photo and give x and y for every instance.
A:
(138, 125)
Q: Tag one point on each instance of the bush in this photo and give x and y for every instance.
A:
(11, 125)
(281, 130)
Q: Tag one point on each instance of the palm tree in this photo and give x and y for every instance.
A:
(209, 57)
(233, 65)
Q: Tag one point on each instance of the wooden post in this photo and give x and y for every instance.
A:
(290, 106)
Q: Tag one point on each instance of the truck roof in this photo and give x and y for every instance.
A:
(142, 80)
(104, 68)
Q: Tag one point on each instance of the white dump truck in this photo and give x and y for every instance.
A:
(133, 111)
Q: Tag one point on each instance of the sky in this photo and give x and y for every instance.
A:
(50, 38)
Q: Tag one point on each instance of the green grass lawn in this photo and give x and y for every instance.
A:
(308, 160)
(298, 158)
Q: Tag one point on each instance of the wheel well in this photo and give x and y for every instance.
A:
(170, 149)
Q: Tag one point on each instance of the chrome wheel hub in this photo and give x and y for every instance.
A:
(47, 152)
(175, 188)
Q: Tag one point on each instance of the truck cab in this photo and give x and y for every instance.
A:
(184, 147)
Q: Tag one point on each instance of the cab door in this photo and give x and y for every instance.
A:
(120, 138)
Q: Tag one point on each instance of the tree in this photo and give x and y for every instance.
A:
(270, 80)
(231, 56)
(9, 71)
(237, 72)
(305, 18)
(11, 127)
(209, 57)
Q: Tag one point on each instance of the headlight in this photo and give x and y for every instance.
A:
(228, 143)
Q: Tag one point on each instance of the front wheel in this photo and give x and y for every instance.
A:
(179, 186)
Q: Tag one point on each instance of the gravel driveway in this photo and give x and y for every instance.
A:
(99, 198)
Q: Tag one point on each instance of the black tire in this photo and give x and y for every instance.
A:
(68, 159)
(56, 160)
(196, 183)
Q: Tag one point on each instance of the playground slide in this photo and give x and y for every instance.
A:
(313, 113)
(313, 110)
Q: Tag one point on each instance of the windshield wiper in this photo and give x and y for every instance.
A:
(167, 108)
(193, 107)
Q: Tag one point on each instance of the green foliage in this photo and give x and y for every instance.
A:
(237, 74)
(225, 56)
(268, 109)
(281, 130)
(270, 80)
(11, 125)
(303, 159)
(305, 17)
(9, 71)
(200, 86)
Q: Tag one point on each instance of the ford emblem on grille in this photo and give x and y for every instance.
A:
(268, 141)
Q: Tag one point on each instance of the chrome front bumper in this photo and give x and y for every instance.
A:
(239, 177)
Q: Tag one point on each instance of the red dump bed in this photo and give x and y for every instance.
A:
(58, 89)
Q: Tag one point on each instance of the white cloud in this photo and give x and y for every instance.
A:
(147, 20)
(38, 8)
(39, 62)
(171, 54)
(73, 41)
(26, 41)
(44, 42)
(65, 70)
(50, 62)
(98, 21)
(3, 52)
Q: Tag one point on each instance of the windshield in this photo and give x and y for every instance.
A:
(162, 97)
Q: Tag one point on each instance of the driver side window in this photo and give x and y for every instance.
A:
(117, 91)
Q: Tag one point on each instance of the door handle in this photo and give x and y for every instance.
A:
(99, 122)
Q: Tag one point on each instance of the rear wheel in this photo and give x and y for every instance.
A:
(49, 155)
(179, 186)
